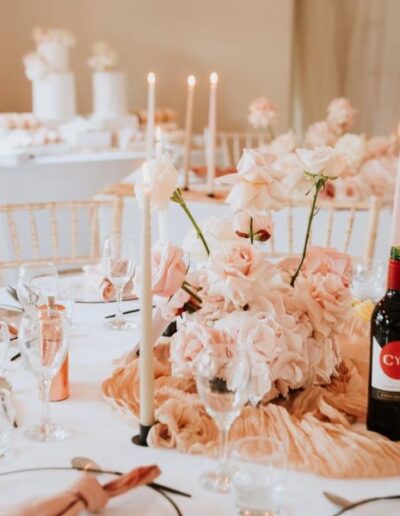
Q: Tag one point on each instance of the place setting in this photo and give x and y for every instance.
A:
(200, 259)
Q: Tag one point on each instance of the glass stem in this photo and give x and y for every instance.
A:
(45, 385)
(223, 447)
(119, 293)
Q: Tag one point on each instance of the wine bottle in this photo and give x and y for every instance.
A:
(384, 378)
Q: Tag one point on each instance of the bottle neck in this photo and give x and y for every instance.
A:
(394, 275)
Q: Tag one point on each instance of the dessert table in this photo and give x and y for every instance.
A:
(98, 433)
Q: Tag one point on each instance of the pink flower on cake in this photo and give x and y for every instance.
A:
(262, 113)
(260, 226)
(341, 115)
(168, 270)
(320, 135)
(162, 178)
(257, 185)
(35, 66)
(190, 341)
(322, 161)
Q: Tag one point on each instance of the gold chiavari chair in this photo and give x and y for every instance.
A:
(66, 233)
(233, 143)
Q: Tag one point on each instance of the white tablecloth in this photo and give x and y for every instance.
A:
(100, 434)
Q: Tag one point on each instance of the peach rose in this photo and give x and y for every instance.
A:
(379, 174)
(237, 273)
(168, 270)
(352, 187)
(189, 341)
(353, 146)
(173, 306)
(257, 184)
(320, 134)
(341, 115)
(322, 161)
(261, 226)
(262, 113)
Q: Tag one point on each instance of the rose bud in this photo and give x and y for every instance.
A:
(262, 226)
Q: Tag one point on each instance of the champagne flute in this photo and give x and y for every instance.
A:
(36, 282)
(4, 346)
(222, 378)
(43, 341)
(119, 264)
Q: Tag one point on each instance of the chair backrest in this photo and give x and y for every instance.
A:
(348, 226)
(65, 233)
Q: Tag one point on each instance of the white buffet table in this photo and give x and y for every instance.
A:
(100, 434)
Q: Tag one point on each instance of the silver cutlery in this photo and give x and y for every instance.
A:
(347, 505)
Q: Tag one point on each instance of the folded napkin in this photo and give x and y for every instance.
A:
(94, 279)
(86, 494)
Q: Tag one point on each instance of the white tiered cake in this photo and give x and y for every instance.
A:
(53, 85)
(109, 86)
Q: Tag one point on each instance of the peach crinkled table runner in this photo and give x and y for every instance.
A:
(317, 423)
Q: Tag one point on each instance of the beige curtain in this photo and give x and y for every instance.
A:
(347, 48)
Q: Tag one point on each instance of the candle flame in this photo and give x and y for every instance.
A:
(213, 78)
(151, 78)
(191, 80)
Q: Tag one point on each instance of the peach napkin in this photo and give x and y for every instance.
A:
(94, 278)
(86, 494)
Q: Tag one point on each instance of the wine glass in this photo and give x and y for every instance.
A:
(7, 418)
(222, 378)
(119, 264)
(43, 341)
(36, 283)
(4, 346)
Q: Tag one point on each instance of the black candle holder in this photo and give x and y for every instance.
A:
(140, 439)
(212, 195)
(171, 329)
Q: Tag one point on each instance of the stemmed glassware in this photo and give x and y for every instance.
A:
(4, 346)
(43, 341)
(36, 282)
(222, 378)
(119, 265)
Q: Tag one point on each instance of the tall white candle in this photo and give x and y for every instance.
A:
(395, 233)
(151, 106)
(191, 81)
(146, 360)
(163, 225)
(212, 134)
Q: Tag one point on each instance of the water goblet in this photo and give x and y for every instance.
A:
(259, 471)
(7, 418)
(36, 283)
(119, 264)
(43, 341)
(4, 346)
(222, 378)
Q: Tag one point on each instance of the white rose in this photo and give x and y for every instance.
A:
(323, 161)
(35, 66)
(283, 144)
(162, 178)
(319, 134)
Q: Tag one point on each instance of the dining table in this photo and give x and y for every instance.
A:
(104, 435)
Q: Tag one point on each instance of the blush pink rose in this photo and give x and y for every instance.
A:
(322, 161)
(168, 270)
(341, 115)
(173, 306)
(320, 135)
(262, 113)
(189, 341)
(261, 226)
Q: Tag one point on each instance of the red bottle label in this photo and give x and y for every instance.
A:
(389, 359)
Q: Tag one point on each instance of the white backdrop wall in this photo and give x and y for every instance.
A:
(248, 43)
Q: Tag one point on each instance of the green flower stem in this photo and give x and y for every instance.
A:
(190, 292)
(271, 133)
(178, 198)
(251, 231)
(319, 183)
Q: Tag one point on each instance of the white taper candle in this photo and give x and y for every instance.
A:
(191, 81)
(212, 133)
(151, 106)
(395, 233)
(146, 360)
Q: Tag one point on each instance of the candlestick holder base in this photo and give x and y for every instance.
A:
(140, 439)
(212, 195)
(170, 330)
(185, 188)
